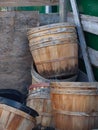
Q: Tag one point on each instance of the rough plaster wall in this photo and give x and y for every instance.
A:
(15, 57)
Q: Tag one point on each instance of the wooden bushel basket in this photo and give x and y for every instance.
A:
(39, 99)
(13, 118)
(75, 105)
(37, 78)
(54, 49)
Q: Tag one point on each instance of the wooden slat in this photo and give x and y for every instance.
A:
(14, 119)
(63, 10)
(82, 40)
(10, 3)
(89, 23)
(93, 56)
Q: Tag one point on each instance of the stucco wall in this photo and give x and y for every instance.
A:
(15, 57)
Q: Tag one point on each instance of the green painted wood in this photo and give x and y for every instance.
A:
(90, 7)
(55, 9)
(82, 41)
(92, 40)
(41, 9)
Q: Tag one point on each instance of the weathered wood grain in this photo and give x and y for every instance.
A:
(93, 56)
(36, 78)
(63, 10)
(82, 41)
(74, 102)
(39, 99)
(89, 23)
(14, 3)
(14, 119)
(50, 39)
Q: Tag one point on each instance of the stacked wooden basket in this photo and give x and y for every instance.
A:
(60, 104)
(55, 52)
(14, 114)
(39, 99)
(65, 105)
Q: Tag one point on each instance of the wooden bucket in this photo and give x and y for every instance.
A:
(75, 105)
(14, 116)
(39, 99)
(54, 49)
(36, 78)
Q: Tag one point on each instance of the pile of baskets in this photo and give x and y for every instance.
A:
(65, 105)
(54, 51)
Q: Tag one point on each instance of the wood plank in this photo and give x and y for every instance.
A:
(93, 56)
(89, 23)
(63, 10)
(10, 3)
(82, 41)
